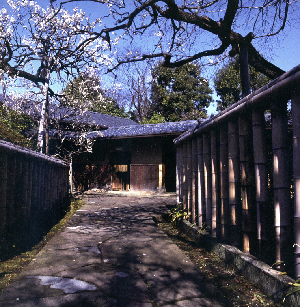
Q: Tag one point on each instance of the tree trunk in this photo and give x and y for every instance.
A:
(3, 86)
(244, 70)
(43, 125)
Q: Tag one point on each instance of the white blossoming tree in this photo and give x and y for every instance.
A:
(40, 45)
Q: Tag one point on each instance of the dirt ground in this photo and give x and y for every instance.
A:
(235, 288)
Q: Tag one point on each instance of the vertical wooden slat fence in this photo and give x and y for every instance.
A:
(206, 208)
(234, 193)
(212, 212)
(224, 182)
(296, 177)
(247, 173)
(200, 182)
(194, 191)
(189, 172)
(264, 216)
(34, 191)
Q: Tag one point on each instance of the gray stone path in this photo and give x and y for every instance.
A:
(112, 254)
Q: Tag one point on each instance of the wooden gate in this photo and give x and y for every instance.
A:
(120, 178)
(147, 177)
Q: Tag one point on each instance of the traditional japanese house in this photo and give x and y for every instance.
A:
(136, 158)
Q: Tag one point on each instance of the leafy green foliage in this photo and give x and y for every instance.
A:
(180, 93)
(14, 127)
(86, 93)
(228, 85)
(178, 213)
(155, 119)
(295, 288)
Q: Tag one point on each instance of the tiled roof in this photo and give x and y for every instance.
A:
(174, 128)
(71, 115)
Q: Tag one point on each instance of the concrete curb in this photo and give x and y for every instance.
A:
(272, 282)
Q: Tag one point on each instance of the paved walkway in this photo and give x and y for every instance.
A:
(112, 254)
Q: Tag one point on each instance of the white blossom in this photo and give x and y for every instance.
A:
(57, 39)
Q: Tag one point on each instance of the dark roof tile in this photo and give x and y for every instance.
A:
(174, 128)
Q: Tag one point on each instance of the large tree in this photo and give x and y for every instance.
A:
(227, 83)
(180, 93)
(183, 31)
(180, 31)
(42, 44)
(85, 92)
(137, 90)
(16, 127)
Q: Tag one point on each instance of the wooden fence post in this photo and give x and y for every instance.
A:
(281, 185)
(181, 173)
(234, 187)
(34, 192)
(189, 172)
(30, 194)
(214, 181)
(296, 178)
(10, 196)
(184, 176)
(201, 185)
(194, 191)
(3, 191)
(24, 196)
(247, 186)
(178, 173)
(207, 179)
(224, 187)
(264, 212)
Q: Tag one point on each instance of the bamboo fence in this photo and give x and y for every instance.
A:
(241, 177)
(34, 191)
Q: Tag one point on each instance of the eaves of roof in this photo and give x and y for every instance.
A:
(170, 128)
